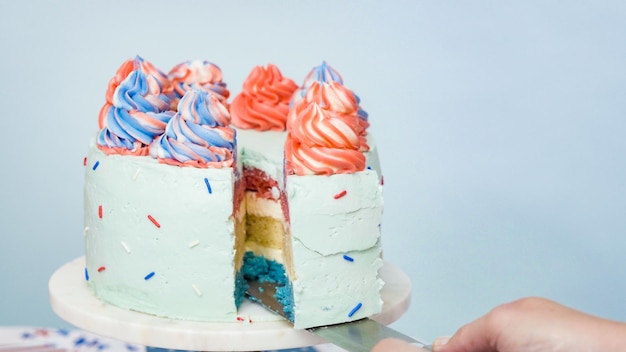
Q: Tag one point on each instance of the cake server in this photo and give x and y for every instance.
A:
(356, 336)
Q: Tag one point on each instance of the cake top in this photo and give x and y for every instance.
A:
(183, 118)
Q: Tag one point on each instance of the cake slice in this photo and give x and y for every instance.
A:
(164, 232)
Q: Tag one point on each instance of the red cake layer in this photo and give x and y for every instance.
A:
(258, 181)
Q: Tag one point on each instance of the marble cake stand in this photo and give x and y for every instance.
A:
(72, 300)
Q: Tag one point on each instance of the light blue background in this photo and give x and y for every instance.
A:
(501, 130)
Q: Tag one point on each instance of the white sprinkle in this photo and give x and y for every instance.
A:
(125, 247)
(136, 174)
(193, 244)
(86, 230)
(195, 288)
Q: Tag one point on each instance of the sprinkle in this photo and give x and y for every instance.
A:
(125, 246)
(369, 167)
(154, 221)
(86, 274)
(101, 269)
(348, 258)
(208, 185)
(193, 244)
(341, 194)
(95, 166)
(85, 161)
(195, 288)
(358, 306)
(100, 211)
(240, 319)
(149, 276)
(136, 174)
(86, 230)
(382, 180)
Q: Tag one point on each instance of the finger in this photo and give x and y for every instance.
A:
(479, 335)
(396, 345)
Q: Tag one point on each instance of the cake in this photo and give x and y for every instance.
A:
(188, 197)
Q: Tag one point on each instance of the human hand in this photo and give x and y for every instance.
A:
(529, 324)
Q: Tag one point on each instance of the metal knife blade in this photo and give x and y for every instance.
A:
(356, 336)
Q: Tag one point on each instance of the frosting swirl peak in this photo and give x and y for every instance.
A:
(136, 110)
(198, 135)
(263, 103)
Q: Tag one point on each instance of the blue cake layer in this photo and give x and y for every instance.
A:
(240, 288)
(261, 269)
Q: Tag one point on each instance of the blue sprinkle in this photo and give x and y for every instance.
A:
(358, 306)
(348, 258)
(369, 167)
(80, 341)
(95, 166)
(208, 185)
(86, 274)
(149, 276)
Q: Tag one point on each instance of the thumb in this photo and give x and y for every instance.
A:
(475, 336)
(396, 345)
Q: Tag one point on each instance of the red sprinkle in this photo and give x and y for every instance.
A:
(382, 180)
(85, 161)
(100, 211)
(341, 194)
(101, 269)
(240, 319)
(154, 221)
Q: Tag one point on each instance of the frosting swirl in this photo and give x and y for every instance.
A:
(129, 132)
(338, 101)
(323, 143)
(198, 74)
(263, 103)
(158, 90)
(135, 113)
(332, 95)
(198, 135)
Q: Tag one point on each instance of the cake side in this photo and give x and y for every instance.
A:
(137, 256)
(336, 247)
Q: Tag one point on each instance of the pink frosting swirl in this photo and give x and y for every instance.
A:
(323, 143)
(263, 103)
(338, 101)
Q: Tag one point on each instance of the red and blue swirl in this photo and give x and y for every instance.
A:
(198, 135)
(198, 74)
(137, 108)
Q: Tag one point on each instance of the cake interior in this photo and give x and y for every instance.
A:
(267, 240)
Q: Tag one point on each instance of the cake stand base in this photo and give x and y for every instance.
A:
(72, 300)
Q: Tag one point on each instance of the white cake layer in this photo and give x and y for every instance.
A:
(336, 246)
(191, 252)
(263, 207)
